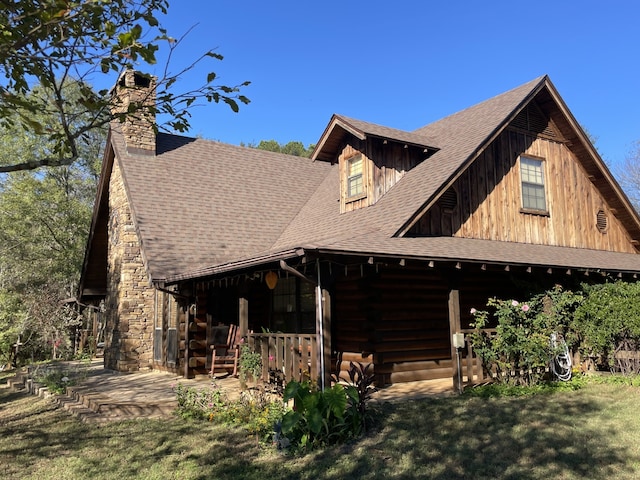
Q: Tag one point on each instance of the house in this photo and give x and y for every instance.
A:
(374, 250)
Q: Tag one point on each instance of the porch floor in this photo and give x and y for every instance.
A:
(102, 394)
(441, 387)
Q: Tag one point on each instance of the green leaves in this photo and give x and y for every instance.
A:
(318, 417)
(520, 349)
(47, 44)
(608, 317)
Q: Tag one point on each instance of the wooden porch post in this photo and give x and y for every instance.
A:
(187, 321)
(243, 315)
(326, 335)
(454, 327)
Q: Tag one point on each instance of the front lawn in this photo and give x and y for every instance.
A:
(589, 433)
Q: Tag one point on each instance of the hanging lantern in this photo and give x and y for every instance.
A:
(271, 279)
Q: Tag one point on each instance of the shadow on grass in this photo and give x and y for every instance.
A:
(565, 436)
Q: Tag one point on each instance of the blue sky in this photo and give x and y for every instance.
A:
(407, 63)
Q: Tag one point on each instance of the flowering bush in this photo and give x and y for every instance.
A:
(520, 349)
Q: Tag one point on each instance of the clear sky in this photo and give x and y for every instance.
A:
(406, 63)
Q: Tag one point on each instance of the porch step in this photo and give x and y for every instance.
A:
(92, 407)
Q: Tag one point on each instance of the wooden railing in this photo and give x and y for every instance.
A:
(296, 355)
(472, 369)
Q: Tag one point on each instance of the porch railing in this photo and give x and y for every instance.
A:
(472, 370)
(295, 355)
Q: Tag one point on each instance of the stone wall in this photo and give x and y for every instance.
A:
(130, 299)
(134, 103)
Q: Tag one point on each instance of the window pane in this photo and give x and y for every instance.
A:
(355, 185)
(354, 166)
(532, 177)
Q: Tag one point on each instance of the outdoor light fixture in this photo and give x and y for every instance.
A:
(271, 279)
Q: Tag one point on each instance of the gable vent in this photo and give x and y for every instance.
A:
(533, 120)
(449, 200)
(602, 222)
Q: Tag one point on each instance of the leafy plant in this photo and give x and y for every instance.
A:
(361, 388)
(250, 363)
(255, 411)
(608, 321)
(320, 417)
(520, 349)
(198, 403)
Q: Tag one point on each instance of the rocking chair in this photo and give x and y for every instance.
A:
(225, 356)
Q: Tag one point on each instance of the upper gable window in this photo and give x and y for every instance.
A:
(532, 176)
(355, 183)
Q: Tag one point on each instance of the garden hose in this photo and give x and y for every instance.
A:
(560, 358)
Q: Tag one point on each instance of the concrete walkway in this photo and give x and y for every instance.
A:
(103, 395)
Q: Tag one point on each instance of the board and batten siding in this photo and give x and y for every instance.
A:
(384, 164)
(489, 200)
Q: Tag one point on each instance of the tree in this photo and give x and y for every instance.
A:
(47, 44)
(292, 148)
(44, 223)
(629, 175)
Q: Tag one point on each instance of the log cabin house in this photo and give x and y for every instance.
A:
(374, 250)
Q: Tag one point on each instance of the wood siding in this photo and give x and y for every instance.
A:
(489, 200)
(384, 164)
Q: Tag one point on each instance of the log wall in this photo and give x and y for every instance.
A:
(396, 319)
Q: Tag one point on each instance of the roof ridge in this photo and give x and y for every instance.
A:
(530, 86)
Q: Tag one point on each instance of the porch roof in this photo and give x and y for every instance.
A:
(450, 249)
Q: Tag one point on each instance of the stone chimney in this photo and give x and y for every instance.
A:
(134, 105)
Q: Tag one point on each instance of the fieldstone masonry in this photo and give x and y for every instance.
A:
(130, 298)
(136, 97)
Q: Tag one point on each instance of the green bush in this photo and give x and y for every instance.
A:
(250, 363)
(319, 417)
(254, 411)
(609, 320)
(520, 349)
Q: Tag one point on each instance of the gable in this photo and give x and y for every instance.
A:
(487, 200)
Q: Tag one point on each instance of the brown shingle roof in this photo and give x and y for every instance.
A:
(199, 202)
(458, 138)
(204, 207)
(340, 127)
(486, 251)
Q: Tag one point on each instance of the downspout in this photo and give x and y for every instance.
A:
(319, 311)
(321, 325)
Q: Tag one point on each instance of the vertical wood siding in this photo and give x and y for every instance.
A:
(489, 200)
(384, 164)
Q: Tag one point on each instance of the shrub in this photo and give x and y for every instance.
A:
(520, 350)
(199, 403)
(608, 320)
(250, 363)
(320, 417)
(255, 411)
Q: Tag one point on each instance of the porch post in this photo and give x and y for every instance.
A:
(454, 327)
(243, 315)
(326, 335)
(187, 321)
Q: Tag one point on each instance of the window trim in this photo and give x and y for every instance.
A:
(348, 178)
(529, 209)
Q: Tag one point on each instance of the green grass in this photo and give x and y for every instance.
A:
(593, 432)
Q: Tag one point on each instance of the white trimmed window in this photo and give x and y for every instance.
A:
(355, 183)
(532, 176)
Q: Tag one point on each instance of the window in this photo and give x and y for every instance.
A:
(355, 185)
(294, 306)
(532, 175)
